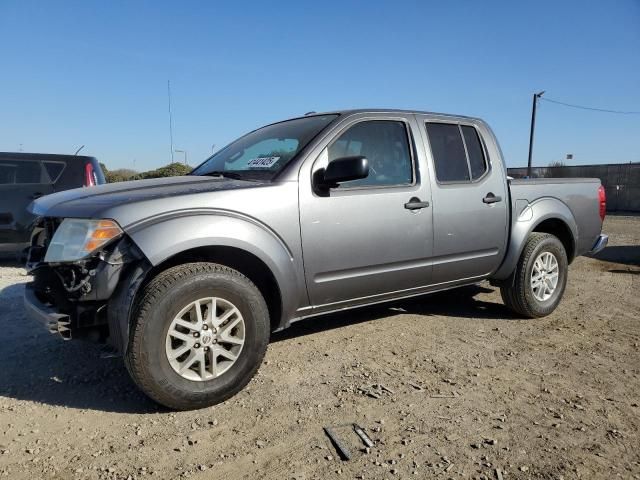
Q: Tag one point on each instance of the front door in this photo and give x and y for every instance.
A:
(359, 240)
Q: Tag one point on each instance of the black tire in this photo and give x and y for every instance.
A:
(517, 293)
(161, 299)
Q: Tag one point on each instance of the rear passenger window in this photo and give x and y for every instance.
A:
(54, 169)
(21, 172)
(29, 172)
(475, 152)
(448, 152)
(457, 152)
(7, 173)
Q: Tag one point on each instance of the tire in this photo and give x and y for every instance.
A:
(158, 307)
(518, 294)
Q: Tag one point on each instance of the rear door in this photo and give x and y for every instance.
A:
(360, 242)
(21, 181)
(470, 204)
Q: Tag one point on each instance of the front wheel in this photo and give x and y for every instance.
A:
(199, 333)
(537, 285)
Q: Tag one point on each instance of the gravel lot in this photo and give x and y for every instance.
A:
(449, 386)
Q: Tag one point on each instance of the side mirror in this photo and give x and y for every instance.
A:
(343, 170)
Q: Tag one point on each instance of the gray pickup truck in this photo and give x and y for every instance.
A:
(188, 276)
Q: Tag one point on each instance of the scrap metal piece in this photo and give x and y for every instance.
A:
(386, 389)
(342, 450)
(64, 327)
(366, 439)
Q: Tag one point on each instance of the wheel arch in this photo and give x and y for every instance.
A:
(241, 260)
(560, 229)
(241, 243)
(546, 215)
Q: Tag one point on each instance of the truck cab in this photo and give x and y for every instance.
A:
(431, 212)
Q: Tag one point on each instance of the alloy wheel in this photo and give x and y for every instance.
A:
(205, 339)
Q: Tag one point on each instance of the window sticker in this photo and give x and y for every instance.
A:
(263, 162)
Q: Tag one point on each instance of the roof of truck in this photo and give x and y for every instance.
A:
(387, 110)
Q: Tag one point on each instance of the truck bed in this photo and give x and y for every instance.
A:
(578, 194)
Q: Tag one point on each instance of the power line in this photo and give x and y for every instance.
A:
(582, 107)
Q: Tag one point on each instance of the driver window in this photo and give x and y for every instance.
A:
(385, 143)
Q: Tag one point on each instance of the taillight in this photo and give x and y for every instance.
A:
(89, 175)
(602, 199)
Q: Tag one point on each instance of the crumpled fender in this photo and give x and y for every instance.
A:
(528, 217)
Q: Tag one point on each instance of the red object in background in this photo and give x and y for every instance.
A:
(90, 175)
(602, 198)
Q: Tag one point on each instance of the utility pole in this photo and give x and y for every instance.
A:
(536, 96)
(170, 119)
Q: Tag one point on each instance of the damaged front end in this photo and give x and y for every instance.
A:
(82, 299)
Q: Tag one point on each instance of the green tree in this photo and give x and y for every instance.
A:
(172, 170)
(119, 175)
(126, 174)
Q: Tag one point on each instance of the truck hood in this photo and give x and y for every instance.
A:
(101, 200)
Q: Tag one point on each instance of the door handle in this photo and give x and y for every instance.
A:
(491, 198)
(415, 204)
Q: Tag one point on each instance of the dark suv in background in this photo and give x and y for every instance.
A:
(27, 176)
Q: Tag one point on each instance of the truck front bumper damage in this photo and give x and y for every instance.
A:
(600, 244)
(46, 315)
(83, 299)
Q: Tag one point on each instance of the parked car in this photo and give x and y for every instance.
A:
(27, 176)
(188, 276)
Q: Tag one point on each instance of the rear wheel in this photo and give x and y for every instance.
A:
(538, 283)
(199, 334)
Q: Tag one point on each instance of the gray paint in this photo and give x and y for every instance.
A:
(390, 246)
(458, 210)
(355, 246)
(574, 201)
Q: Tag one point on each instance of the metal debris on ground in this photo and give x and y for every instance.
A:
(342, 450)
(341, 445)
(438, 395)
(416, 386)
(363, 436)
(376, 390)
(386, 389)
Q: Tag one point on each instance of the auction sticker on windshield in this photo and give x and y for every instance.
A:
(262, 162)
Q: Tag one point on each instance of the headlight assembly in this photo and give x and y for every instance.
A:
(76, 238)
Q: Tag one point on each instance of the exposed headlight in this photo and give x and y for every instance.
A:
(76, 238)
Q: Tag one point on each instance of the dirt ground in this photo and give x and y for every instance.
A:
(449, 386)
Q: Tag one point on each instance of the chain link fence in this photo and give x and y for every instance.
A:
(620, 180)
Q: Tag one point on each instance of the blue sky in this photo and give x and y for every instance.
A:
(95, 73)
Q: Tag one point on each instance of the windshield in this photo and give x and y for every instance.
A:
(264, 152)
